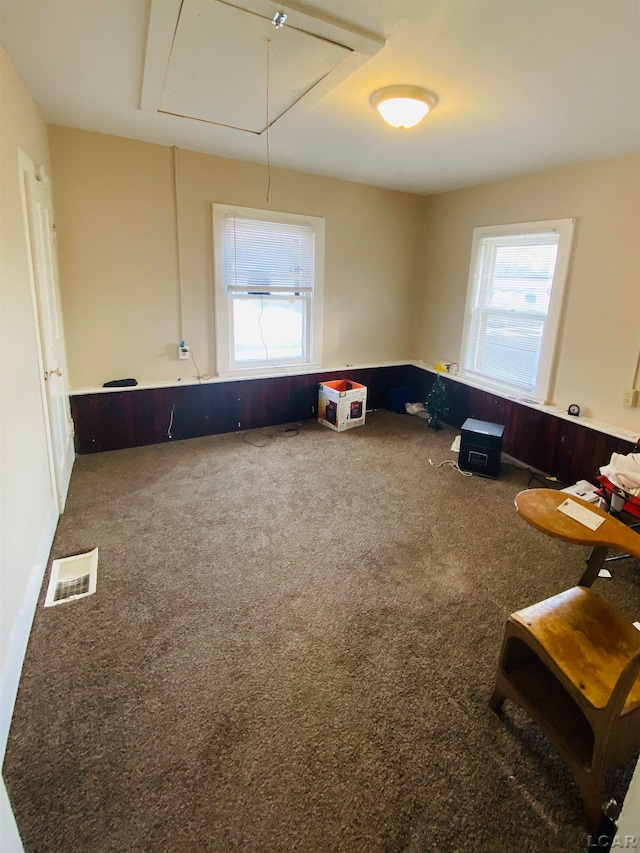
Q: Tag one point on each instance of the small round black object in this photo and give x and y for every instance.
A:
(574, 409)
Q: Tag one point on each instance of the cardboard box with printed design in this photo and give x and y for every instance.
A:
(342, 404)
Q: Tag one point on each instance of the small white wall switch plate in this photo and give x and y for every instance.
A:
(183, 350)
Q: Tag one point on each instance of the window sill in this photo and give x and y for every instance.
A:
(269, 371)
(498, 390)
(502, 390)
(590, 423)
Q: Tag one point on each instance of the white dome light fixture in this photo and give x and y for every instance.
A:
(403, 106)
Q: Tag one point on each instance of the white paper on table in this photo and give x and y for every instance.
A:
(581, 514)
(585, 490)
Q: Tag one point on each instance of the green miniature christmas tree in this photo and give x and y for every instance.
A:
(436, 403)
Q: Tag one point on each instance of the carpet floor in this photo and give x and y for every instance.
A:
(291, 648)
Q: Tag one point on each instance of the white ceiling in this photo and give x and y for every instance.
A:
(523, 85)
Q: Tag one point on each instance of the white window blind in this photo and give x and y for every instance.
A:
(269, 275)
(514, 292)
(263, 257)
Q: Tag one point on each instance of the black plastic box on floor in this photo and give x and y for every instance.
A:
(480, 448)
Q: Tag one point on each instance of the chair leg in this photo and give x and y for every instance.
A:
(593, 795)
(595, 561)
(497, 699)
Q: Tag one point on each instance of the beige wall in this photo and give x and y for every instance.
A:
(26, 497)
(118, 266)
(28, 506)
(396, 265)
(600, 334)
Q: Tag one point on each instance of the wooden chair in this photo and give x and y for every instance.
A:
(572, 662)
(539, 508)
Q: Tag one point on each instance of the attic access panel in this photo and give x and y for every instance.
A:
(207, 60)
(217, 70)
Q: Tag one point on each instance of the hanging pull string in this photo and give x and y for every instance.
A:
(279, 367)
(268, 150)
(278, 22)
(264, 343)
(453, 465)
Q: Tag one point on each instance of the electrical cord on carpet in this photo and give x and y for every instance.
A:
(547, 481)
(452, 464)
(287, 431)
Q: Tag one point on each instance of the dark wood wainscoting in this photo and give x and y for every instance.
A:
(564, 448)
(129, 418)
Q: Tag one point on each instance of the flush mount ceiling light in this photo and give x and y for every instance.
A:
(403, 106)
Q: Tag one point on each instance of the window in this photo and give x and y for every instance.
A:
(268, 271)
(514, 302)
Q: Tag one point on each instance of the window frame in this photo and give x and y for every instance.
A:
(223, 300)
(551, 329)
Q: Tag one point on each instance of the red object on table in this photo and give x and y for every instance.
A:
(608, 489)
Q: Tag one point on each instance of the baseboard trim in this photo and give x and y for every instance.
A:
(22, 629)
(10, 841)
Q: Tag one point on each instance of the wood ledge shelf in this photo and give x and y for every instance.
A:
(130, 417)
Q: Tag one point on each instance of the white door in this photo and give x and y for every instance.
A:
(55, 386)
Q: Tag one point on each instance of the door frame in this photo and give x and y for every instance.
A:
(29, 173)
